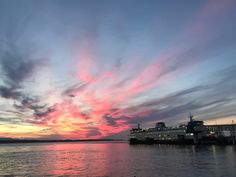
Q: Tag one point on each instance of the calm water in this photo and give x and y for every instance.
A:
(116, 159)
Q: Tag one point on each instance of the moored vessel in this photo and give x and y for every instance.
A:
(194, 132)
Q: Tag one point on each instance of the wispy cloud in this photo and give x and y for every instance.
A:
(104, 86)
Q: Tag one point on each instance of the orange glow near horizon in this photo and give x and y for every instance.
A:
(105, 90)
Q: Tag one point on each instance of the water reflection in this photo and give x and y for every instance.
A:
(116, 159)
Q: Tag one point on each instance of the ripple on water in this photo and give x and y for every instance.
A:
(116, 159)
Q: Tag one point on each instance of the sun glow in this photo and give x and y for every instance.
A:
(21, 131)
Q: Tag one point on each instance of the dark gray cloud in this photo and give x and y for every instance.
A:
(85, 115)
(39, 113)
(174, 113)
(17, 53)
(73, 90)
(16, 68)
(212, 99)
(110, 120)
(92, 131)
(9, 92)
(33, 103)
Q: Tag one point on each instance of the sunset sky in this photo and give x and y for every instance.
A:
(94, 69)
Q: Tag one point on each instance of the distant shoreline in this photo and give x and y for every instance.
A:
(5, 141)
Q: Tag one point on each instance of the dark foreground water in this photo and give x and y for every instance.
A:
(116, 159)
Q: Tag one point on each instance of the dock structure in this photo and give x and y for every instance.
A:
(223, 130)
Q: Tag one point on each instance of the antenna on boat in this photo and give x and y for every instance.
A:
(190, 117)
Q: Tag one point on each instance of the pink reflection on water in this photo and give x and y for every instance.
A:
(87, 159)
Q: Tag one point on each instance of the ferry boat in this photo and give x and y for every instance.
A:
(194, 132)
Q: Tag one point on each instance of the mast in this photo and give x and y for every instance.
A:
(190, 117)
